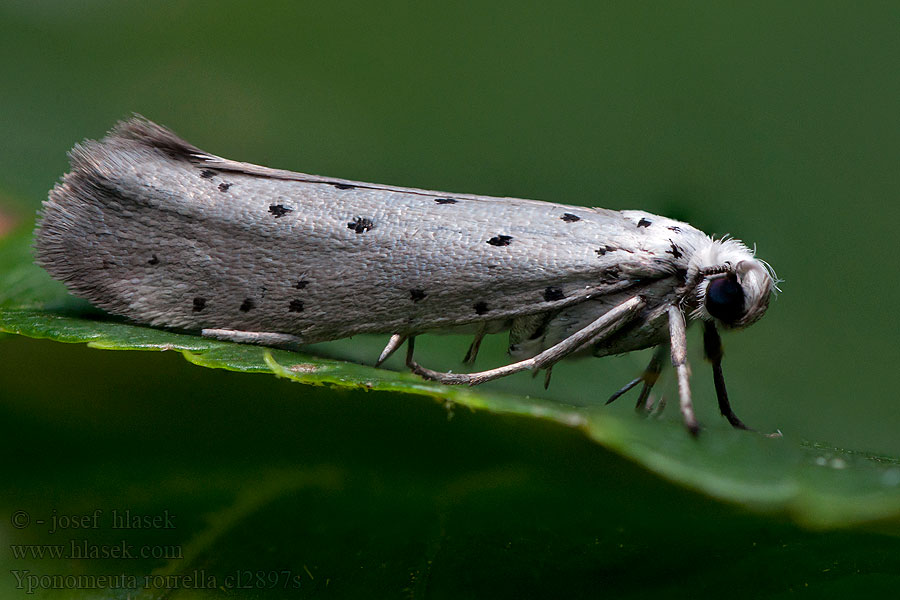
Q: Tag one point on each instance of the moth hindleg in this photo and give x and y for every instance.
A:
(601, 327)
(261, 338)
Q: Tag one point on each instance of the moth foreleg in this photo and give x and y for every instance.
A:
(601, 327)
(260, 338)
(678, 339)
(393, 344)
(712, 347)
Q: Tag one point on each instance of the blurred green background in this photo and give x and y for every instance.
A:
(774, 122)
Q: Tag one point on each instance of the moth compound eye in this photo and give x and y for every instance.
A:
(725, 299)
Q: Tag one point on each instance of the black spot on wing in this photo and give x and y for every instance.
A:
(445, 200)
(361, 224)
(500, 240)
(344, 186)
(223, 187)
(416, 295)
(570, 218)
(279, 210)
(301, 283)
(553, 293)
(247, 305)
(295, 306)
(674, 251)
(154, 260)
(199, 304)
(607, 248)
(481, 308)
(207, 173)
(674, 228)
(644, 223)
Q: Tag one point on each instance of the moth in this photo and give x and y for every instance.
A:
(149, 227)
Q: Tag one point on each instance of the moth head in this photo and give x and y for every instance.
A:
(732, 286)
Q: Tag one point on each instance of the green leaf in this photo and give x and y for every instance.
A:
(815, 485)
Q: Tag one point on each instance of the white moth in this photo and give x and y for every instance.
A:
(152, 228)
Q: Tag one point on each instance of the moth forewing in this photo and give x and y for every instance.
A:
(150, 227)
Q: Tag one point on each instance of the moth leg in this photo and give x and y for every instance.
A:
(547, 373)
(624, 389)
(476, 344)
(649, 377)
(712, 347)
(393, 344)
(260, 338)
(410, 347)
(678, 336)
(598, 329)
